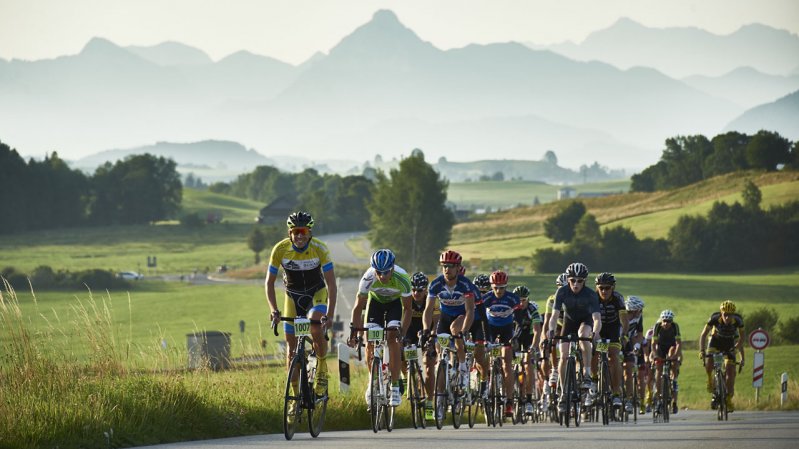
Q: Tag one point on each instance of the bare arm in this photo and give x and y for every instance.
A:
(332, 293)
(703, 337)
(553, 321)
(597, 323)
(271, 298)
(467, 321)
(407, 314)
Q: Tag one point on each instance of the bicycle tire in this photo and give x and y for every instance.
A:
(375, 404)
(416, 393)
(666, 402)
(568, 392)
(605, 394)
(721, 388)
(499, 404)
(292, 402)
(636, 401)
(440, 400)
(318, 410)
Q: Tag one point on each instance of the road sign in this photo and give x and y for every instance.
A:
(758, 339)
(757, 369)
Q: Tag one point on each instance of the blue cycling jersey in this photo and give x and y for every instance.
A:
(452, 299)
(500, 311)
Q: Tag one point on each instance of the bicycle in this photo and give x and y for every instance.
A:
(602, 405)
(299, 393)
(380, 410)
(719, 401)
(472, 401)
(448, 391)
(494, 402)
(636, 404)
(663, 397)
(416, 390)
(519, 381)
(551, 386)
(570, 393)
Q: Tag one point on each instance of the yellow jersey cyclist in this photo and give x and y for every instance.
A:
(614, 328)
(528, 332)
(667, 343)
(725, 328)
(501, 306)
(455, 295)
(419, 284)
(385, 291)
(310, 285)
(580, 307)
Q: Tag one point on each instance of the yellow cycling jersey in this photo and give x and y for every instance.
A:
(302, 269)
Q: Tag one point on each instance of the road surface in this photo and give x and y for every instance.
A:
(689, 429)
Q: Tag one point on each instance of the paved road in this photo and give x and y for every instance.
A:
(689, 429)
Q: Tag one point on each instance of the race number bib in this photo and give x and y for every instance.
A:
(302, 327)
(374, 334)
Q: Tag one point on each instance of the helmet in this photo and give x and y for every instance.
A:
(667, 315)
(383, 260)
(482, 281)
(727, 307)
(577, 270)
(561, 280)
(521, 291)
(419, 280)
(535, 304)
(606, 279)
(633, 303)
(450, 256)
(499, 278)
(462, 270)
(300, 219)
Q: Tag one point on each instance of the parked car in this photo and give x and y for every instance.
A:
(130, 275)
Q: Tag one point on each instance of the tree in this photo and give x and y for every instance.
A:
(256, 241)
(550, 158)
(408, 214)
(767, 149)
(560, 227)
(752, 196)
(729, 154)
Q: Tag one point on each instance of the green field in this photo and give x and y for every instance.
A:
(505, 194)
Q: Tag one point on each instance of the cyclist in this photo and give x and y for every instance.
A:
(725, 328)
(649, 364)
(550, 365)
(310, 285)
(614, 328)
(455, 295)
(528, 332)
(667, 342)
(581, 316)
(632, 348)
(419, 284)
(483, 284)
(500, 308)
(385, 291)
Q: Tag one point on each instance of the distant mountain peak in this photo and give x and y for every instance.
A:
(385, 17)
(383, 33)
(170, 53)
(99, 45)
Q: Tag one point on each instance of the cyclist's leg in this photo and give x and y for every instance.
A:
(455, 328)
(393, 317)
(289, 310)
(319, 310)
(506, 332)
(480, 359)
(585, 346)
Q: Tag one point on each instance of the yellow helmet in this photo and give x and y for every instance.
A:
(728, 307)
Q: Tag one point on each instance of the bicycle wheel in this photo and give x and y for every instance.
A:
(316, 414)
(721, 396)
(416, 395)
(476, 406)
(388, 409)
(568, 392)
(666, 402)
(604, 393)
(292, 400)
(635, 400)
(499, 405)
(440, 400)
(376, 402)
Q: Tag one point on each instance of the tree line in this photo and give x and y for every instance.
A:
(690, 159)
(731, 237)
(48, 194)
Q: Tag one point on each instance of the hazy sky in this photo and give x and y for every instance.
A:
(292, 30)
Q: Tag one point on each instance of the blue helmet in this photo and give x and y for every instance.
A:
(383, 260)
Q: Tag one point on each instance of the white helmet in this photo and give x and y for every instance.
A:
(633, 303)
(667, 315)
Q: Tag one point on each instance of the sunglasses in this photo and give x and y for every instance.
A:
(604, 288)
(668, 321)
(448, 266)
(383, 273)
(576, 280)
(419, 289)
(498, 287)
(300, 231)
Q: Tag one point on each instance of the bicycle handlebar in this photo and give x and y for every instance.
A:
(290, 318)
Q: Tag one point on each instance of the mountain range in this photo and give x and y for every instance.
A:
(385, 90)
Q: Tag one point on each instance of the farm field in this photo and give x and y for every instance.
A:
(505, 194)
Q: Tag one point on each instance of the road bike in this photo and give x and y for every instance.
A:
(604, 398)
(570, 390)
(519, 398)
(448, 390)
(662, 398)
(381, 412)
(416, 390)
(299, 393)
(719, 400)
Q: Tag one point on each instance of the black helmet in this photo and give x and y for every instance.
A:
(521, 291)
(482, 281)
(606, 279)
(419, 280)
(300, 219)
(577, 270)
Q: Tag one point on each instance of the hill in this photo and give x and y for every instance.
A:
(782, 115)
(517, 233)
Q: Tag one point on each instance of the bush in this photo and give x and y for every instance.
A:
(191, 221)
(788, 330)
(98, 280)
(764, 318)
(43, 277)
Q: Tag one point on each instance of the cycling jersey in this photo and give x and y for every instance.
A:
(576, 307)
(550, 306)
(723, 330)
(302, 268)
(666, 338)
(452, 299)
(611, 308)
(635, 325)
(398, 286)
(527, 316)
(500, 311)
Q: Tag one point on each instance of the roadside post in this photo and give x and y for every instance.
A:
(343, 367)
(784, 388)
(758, 340)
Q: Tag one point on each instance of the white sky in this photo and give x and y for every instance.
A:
(292, 30)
